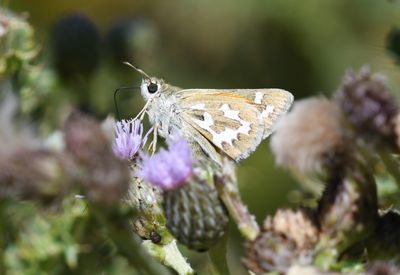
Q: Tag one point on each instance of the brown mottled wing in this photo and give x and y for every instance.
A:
(229, 121)
(271, 103)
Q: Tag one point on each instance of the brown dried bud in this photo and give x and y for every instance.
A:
(298, 225)
(368, 106)
(106, 177)
(288, 238)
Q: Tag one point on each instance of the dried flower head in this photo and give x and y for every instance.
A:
(169, 169)
(368, 106)
(287, 239)
(106, 177)
(129, 139)
(310, 137)
(299, 225)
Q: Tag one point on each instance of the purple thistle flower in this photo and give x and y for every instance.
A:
(129, 139)
(169, 169)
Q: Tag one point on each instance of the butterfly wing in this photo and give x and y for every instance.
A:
(229, 123)
(271, 103)
(235, 121)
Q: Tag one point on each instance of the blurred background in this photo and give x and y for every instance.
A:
(304, 47)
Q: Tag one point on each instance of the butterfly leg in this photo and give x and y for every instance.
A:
(153, 143)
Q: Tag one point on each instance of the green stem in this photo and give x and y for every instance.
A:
(121, 234)
(169, 255)
(210, 268)
(217, 255)
(226, 185)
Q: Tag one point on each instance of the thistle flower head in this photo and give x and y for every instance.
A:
(195, 215)
(129, 139)
(169, 169)
(368, 106)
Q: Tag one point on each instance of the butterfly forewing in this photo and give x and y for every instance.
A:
(228, 121)
(235, 121)
(271, 103)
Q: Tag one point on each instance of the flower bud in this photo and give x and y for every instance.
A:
(195, 215)
(368, 107)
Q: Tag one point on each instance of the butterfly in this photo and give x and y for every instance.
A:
(232, 122)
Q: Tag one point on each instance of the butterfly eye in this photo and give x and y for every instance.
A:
(152, 87)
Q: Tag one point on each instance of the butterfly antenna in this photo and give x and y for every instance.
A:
(115, 98)
(138, 70)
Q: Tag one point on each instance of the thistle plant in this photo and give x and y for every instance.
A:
(104, 200)
(353, 136)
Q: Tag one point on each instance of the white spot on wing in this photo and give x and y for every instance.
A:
(259, 97)
(199, 106)
(268, 110)
(229, 113)
(228, 135)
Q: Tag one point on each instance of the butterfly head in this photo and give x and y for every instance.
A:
(150, 86)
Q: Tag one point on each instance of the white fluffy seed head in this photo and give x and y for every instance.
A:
(308, 135)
